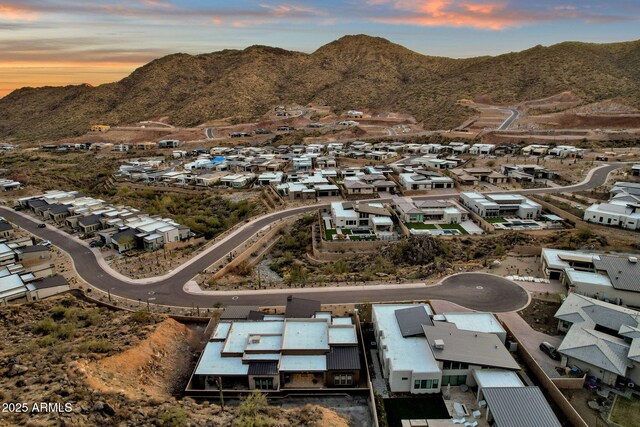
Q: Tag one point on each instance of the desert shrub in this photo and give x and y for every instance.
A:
(45, 326)
(95, 346)
(175, 417)
(142, 317)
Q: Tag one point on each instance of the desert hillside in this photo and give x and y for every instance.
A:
(105, 367)
(352, 72)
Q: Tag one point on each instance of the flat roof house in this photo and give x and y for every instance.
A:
(501, 205)
(429, 211)
(5, 230)
(622, 209)
(605, 277)
(277, 353)
(421, 180)
(371, 216)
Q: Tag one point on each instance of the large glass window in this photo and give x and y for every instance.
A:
(454, 380)
(425, 384)
(343, 379)
(264, 383)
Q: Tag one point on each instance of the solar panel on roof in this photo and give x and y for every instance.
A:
(410, 320)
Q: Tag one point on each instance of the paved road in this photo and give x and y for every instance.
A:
(169, 289)
(514, 115)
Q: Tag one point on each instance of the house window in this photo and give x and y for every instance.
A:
(264, 383)
(351, 222)
(343, 379)
(454, 365)
(454, 379)
(425, 384)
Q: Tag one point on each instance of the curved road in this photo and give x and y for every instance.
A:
(168, 289)
(514, 115)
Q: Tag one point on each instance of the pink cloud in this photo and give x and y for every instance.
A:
(16, 13)
(479, 14)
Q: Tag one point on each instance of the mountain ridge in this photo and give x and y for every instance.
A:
(355, 71)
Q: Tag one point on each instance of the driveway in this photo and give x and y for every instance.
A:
(531, 339)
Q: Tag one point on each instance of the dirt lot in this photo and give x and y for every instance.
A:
(539, 315)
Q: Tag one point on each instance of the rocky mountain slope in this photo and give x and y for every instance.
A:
(68, 362)
(352, 72)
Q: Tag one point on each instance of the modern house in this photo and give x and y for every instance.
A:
(471, 176)
(429, 211)
(605, 277)
(420, 354)
(535, 150)
(422, 180)
(5, 230)
(482, 149)
(527, 173)
(361, 217)
(278, 353)
(622, 209)
(501, 205)
(602, 340)
(9, 184)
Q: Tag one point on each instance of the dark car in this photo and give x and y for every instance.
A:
(550, 350)
(42, 225)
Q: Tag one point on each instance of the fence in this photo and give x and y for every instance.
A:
(547, 385)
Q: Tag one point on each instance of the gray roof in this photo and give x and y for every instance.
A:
(519, 407)
(301, 308)
(90, 220)
(578, 308)
(263, 368)
(55, 209)
(237, 312)
(410, 321)
(343, 358)
(5, 226)
(596, 348)
(622, 273)
(478, 348)
(50, 282)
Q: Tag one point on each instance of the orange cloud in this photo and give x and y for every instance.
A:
(16, 13)
(491, 15)
(157, 3)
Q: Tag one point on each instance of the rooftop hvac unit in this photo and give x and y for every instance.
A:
(438, 344)
(255, 339)
(633, 259)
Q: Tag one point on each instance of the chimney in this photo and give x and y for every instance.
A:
(439, 344)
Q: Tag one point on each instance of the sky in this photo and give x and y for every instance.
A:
(61, 42)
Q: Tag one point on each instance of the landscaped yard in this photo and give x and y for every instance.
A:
(454, 227)
(420, 226)
(626, 412)
(495, 220)
(330, 233)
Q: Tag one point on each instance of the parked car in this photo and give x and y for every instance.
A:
(45, 243)
(550, 350)
(42, 225)
(17, 208)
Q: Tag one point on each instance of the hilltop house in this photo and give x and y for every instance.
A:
(501, 205)
(275, 352)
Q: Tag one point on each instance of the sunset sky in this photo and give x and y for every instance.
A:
(70, 42)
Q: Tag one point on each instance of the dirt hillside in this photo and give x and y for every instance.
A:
(352, 72)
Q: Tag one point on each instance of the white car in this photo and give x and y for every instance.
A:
(45, 243)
